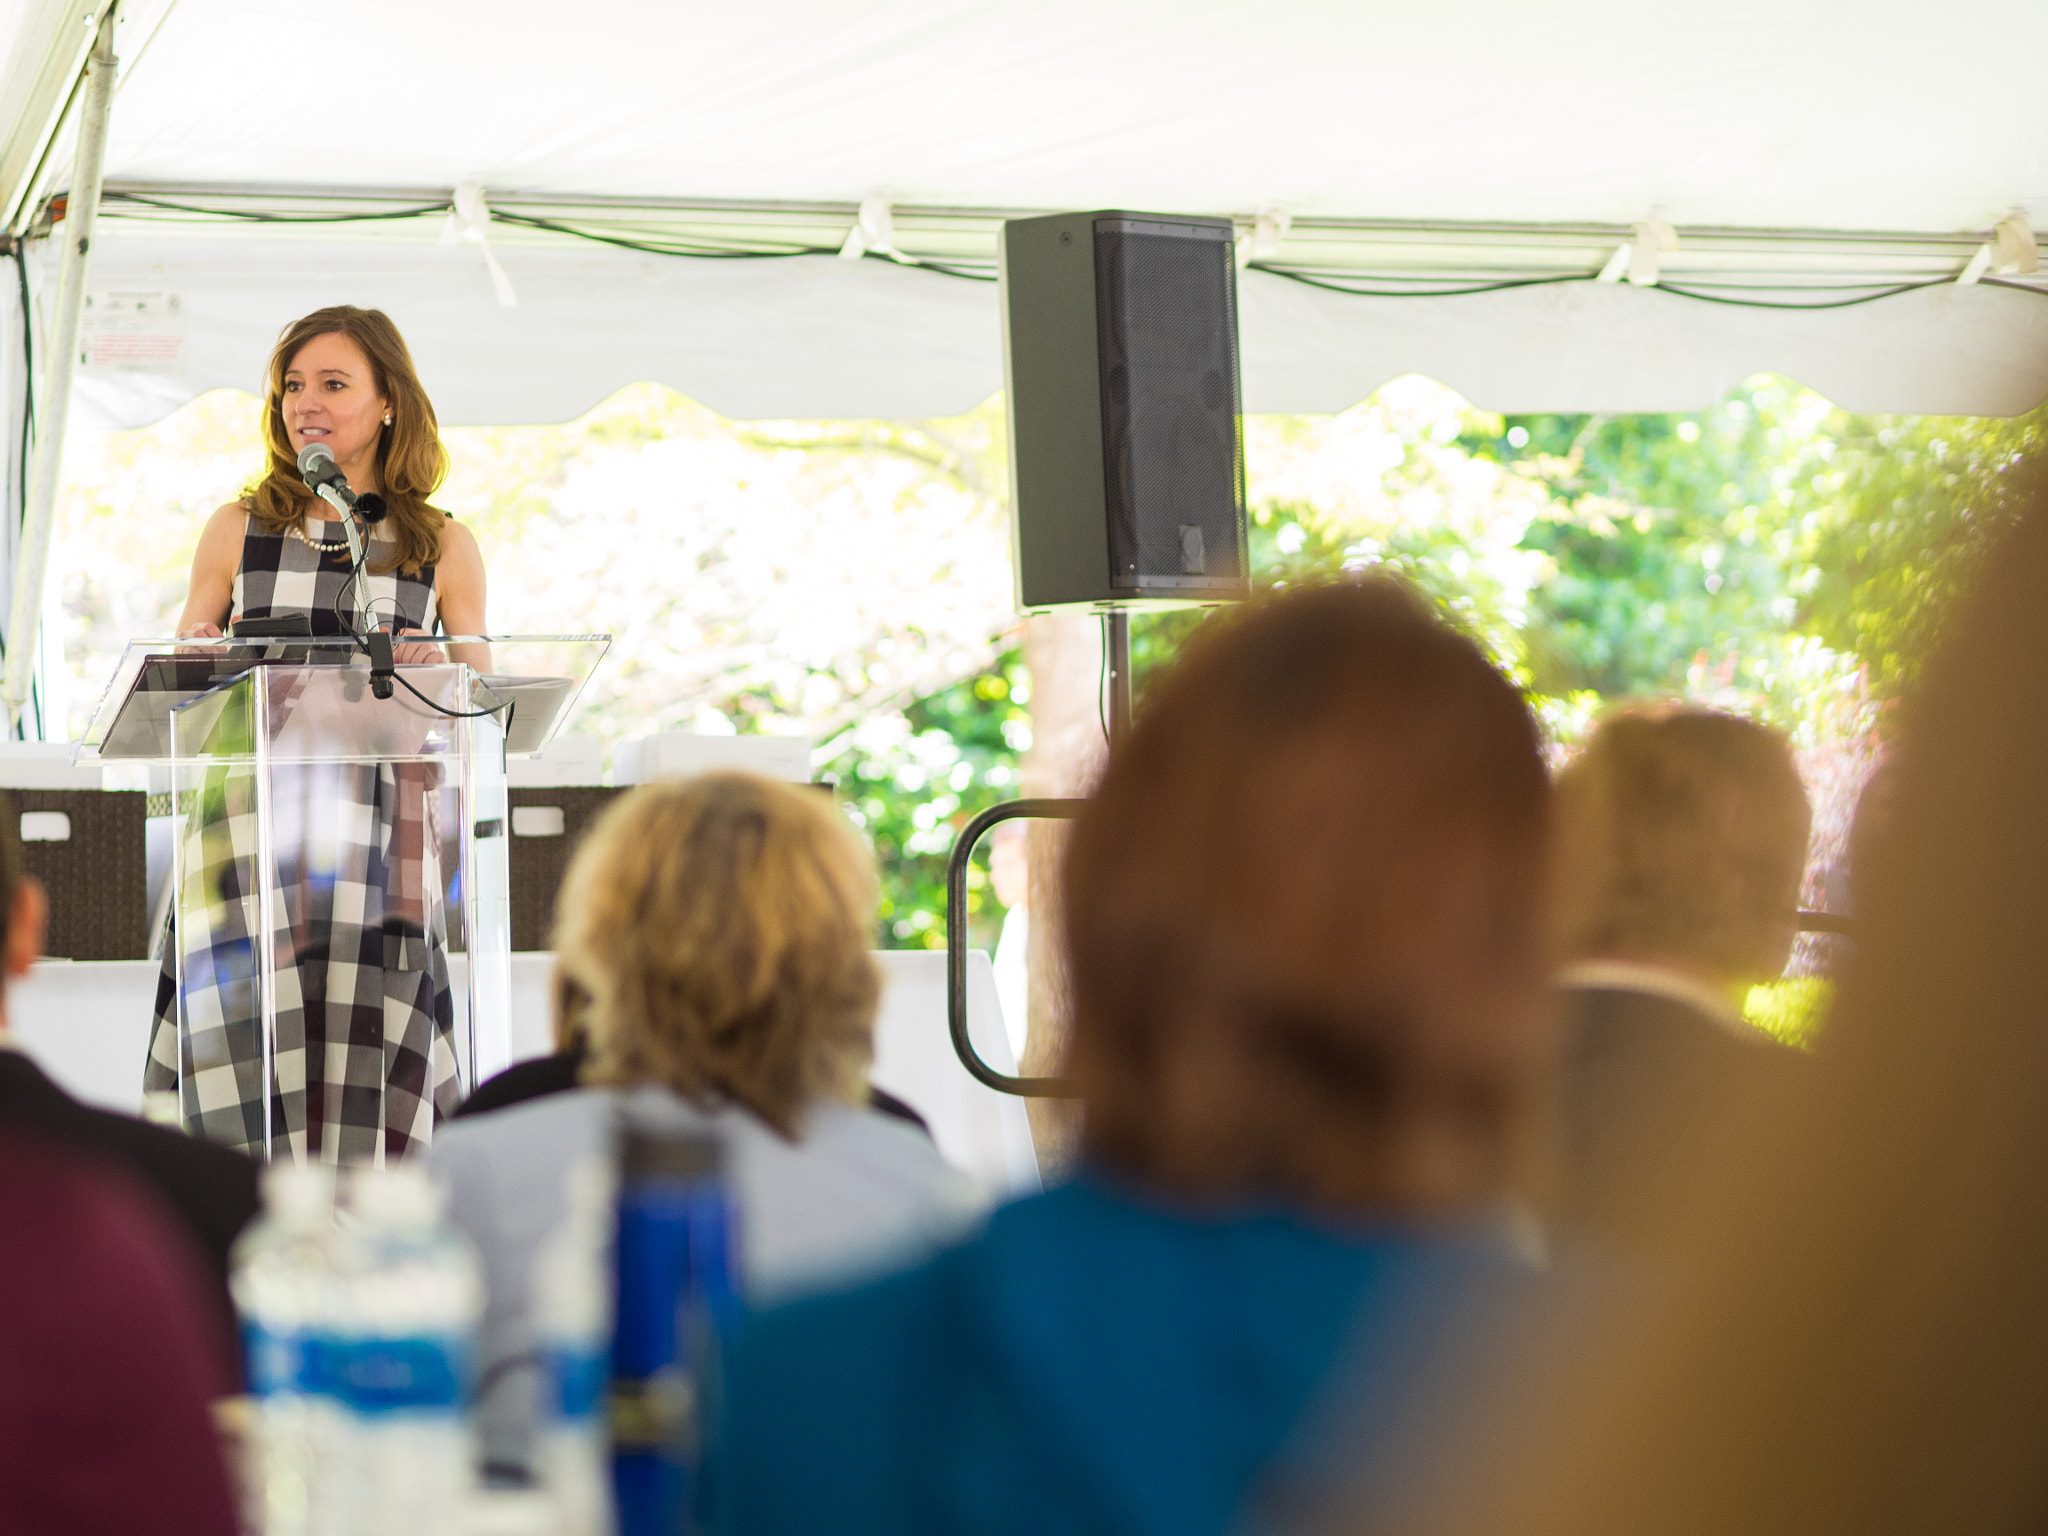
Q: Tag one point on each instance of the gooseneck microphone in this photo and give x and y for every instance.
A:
(324, 478)
(322, 475)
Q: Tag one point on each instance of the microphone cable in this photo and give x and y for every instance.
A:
(382, 669)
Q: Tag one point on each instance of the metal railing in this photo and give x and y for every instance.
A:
(956, 942)
(956, 945)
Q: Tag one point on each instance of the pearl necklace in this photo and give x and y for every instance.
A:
(324, 546)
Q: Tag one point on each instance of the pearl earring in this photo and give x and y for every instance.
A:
(387, 418)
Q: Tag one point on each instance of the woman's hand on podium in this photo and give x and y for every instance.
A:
(198, 632)
(419, 654)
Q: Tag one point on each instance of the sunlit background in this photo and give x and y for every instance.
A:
(849, 582)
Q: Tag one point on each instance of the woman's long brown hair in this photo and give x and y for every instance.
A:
(411, 461)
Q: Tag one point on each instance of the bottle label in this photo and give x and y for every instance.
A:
(275, 1360)
(401, 1375)
(320, 1365)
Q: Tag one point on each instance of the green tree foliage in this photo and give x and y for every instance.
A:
(1292, 542)
(1387, 486)
(1908, 506)
(1673, 541)
(1762, 555)
(911, 781)
(1712, 539)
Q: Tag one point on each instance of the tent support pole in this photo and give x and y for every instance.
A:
(81, 209)
(1117, 638)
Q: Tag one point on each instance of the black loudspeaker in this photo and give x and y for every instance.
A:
(1126, 442)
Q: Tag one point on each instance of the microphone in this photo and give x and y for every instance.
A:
(323, 476)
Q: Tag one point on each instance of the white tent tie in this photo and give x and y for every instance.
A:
(1639, 258)
(874, 230)
(470, 220)
(2010, 252)
(2014, 252)
(1262, 241)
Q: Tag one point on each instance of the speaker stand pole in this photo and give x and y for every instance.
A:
(1118, 639)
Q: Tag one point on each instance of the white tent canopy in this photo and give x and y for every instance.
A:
(1793, 114)
(817, 337)
(1803, 152)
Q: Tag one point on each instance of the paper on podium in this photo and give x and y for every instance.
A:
(539, 706)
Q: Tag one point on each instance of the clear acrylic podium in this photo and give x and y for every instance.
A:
(333, 852)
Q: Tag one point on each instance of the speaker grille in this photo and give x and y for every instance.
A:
(1166, 301)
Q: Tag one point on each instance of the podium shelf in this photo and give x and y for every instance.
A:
(538, 678)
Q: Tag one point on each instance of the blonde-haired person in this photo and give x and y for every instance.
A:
(1681, 840)
(712, 942)
(365, 1060)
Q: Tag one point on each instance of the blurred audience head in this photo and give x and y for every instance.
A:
(1301, 914)
(110, 1358)
(1845, 1332)
(1876, 808)
(712, 935)
(1681, 838)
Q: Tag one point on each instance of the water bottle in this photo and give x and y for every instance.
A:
(404, 1357)
(573, 1329)
(676, 1295)
(283, 1283)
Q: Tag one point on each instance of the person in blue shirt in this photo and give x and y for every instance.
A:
(1309, 1032)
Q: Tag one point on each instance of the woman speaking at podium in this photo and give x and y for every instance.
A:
(365, 1056)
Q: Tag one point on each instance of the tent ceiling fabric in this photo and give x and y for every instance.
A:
(813, 337)
(1802, 115)
(820, 337)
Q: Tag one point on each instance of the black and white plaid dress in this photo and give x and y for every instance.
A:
(365, 1057)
